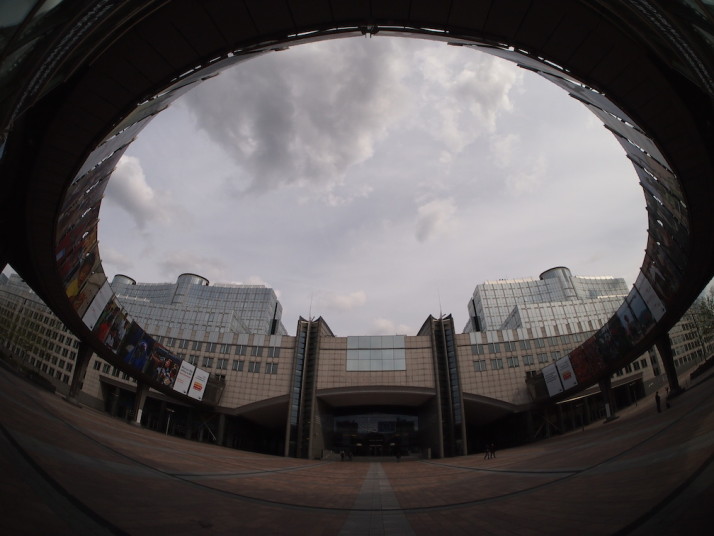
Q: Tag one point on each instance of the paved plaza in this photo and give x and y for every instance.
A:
(73, 470)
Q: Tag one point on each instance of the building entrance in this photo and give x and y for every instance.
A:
(376, 434)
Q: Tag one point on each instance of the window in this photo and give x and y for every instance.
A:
(636, 365)
(183, 344)
(225, 348)
(211, 347)
(222, 364)
(643, 362)
(496, 364)
(197, 345)
(542, 358)
(509, 346)
(480, 365)
(540, 343)
(477, 349)
(271, 368)
(274, 351)
(257, 351)
(531, 373)
(170, 341)
(494, 347)
(253, 366)
(105, 368)
(193, 359)
(207, 361)
(238, 366)
(97, 365)
(240, 350)
(528, 360)
(628, 368)
(512, 362)
(525, 345)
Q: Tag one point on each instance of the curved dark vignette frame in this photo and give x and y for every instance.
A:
(106, 71)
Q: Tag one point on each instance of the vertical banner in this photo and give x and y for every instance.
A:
(198, 384)
(96, 308)
(552, 380)
(185, 375)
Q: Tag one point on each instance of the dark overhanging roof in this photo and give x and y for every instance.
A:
(78, 83)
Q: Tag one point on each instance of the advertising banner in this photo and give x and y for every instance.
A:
(552, 380)
(184, 377)
(567, 374)
(587, 362)
(98, 304)
(198, 384)
(654, 303)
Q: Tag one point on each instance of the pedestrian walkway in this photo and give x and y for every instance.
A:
(72, 470)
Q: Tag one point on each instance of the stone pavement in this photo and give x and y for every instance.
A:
(72, 470)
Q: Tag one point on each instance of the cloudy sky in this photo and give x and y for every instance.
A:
(373, 181)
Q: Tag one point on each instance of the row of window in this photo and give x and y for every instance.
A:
(514, 362)
(238, 366)
(214, 347)
(44, 367)
(523, 344)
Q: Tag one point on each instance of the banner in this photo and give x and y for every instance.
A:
(198, 384)
(567, 374)
(185, 375)
(552, 380)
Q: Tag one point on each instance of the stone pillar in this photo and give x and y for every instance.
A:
(141, 391)
(220, 436)
(114, 402)
(605, 385)
(84, 354)
(664, 347)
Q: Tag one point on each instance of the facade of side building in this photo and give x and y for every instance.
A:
(437, 393)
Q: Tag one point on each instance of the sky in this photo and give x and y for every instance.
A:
(373, 182)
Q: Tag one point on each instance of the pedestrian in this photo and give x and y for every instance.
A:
(658, 402)
(493, 449)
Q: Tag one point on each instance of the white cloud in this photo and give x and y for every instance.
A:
(111, 258)
(128, 189)
(341, 302)
(502, 149)
(304, 117)
(177, 262)
(465, 97)
(528, 178)
(384, 326)
(435, 218)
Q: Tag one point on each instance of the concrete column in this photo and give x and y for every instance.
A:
(664, 346)
(605, 385)
(114, 402)
(84, 354)
(141, 391)
(221, 428)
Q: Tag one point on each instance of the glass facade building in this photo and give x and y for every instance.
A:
(556, 297)
(193, 304)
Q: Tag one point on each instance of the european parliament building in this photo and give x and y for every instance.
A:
(434, 394)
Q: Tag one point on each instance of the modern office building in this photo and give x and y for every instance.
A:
(437, 393)
(556, 297)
